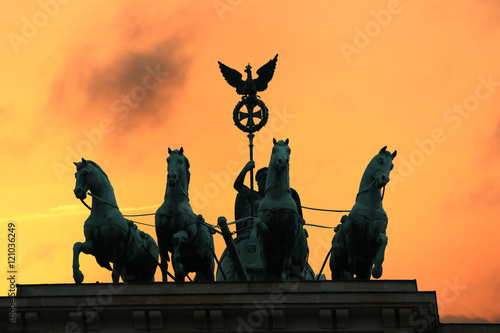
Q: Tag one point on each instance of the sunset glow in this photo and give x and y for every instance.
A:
(119, 82)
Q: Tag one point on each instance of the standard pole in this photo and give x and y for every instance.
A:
(250, 139)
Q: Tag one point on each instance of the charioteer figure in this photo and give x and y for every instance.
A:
(247, 197)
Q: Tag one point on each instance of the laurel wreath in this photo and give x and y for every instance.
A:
(255, 128)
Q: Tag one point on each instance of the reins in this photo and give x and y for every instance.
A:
(102, 200)
(213, 227)
(114, 206)
(366, 189)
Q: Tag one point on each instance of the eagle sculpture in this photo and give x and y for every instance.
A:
(250, 86)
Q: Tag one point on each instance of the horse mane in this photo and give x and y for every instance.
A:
(98, 168)
(188, 173)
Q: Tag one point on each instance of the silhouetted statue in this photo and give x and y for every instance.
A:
(245, 197)
(250, 86)
(279, 222)
(179, 230)
(109, 237)
(359, 243)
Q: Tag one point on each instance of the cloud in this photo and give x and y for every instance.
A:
(138, 87)
(122, 88)
(494, 141)
(65, 208)
(130, 74)
(150, 208)
(15, 129)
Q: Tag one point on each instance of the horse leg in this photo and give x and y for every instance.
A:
(288, 266)
(205, 270)
(115, 275)
(363, 270)
(337, 257)
(300, 253)
(337, 266)
(209, 273)
(205, 274)
(259, 228)
(274, 269)
(127, 274)
(179, 239)
(351, 255)
(209, 264)
(334, 261)
(150, 258)
(86, 248)
(165, 258)
(379, 256)
(121, 264)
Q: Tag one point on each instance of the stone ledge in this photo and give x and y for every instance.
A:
(170, 288)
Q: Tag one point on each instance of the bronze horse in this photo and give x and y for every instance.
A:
(109, 237)
(179, 230)
(279, 220)
(359, 243)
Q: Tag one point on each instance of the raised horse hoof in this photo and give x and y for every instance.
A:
(377, 272)
(78, 276)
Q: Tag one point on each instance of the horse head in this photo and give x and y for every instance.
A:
(177, 168)
(280, 156)
(85, 179)
(380, 167)
(89, 176)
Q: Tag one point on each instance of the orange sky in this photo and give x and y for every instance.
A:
(421, 77)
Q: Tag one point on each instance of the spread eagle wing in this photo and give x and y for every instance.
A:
(233, 77)
(265, 73)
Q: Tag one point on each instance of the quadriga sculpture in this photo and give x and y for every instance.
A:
(109, 237)
(179, 230)
(359, 243)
